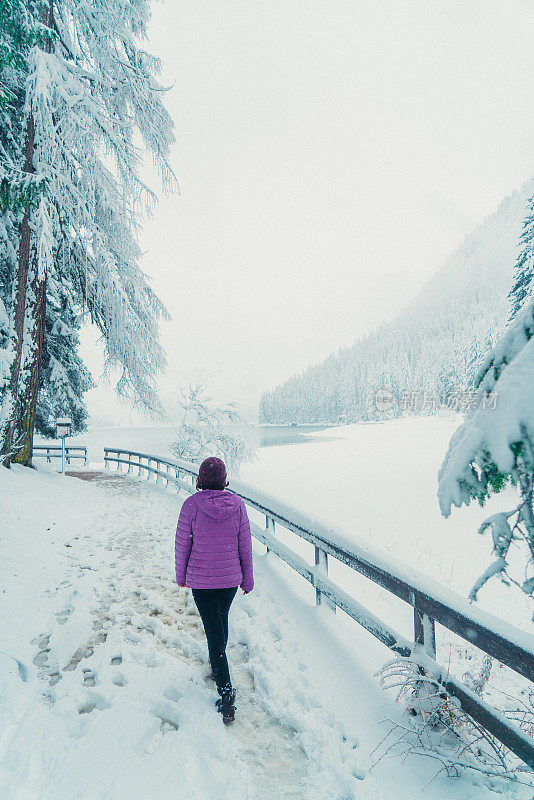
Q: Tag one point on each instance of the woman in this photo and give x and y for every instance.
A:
(213, 556)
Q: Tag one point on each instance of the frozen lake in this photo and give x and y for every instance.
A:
(156, 440)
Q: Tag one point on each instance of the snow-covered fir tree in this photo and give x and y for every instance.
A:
(64, 377)
(494, 447)
(523, 283)
(91, 109)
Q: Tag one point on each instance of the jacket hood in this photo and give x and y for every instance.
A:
(217, 503)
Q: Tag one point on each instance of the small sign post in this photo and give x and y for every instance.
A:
(63, 427)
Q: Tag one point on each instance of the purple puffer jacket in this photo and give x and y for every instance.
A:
(213, 548)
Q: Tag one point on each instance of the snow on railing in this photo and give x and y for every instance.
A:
(431, 601)
(50, 451)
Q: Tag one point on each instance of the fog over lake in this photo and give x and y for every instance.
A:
(157, 440)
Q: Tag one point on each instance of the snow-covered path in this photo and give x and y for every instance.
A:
(117, 701)
(141, 607)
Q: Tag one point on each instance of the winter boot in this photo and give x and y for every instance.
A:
(226, 704)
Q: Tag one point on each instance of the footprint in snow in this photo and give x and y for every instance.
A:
(95, 701)
(42, 640)
(89, 677)
(81, 652)
(171, 693)
(62, 616)
(54, 678)
(167, 716)
(41, 658)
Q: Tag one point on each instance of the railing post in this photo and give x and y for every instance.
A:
(139, 466)
(321, 563)
(158, 466)
(424, 629)
(425, 632)
(269, 526)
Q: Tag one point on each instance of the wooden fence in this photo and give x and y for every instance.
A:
(431, 602)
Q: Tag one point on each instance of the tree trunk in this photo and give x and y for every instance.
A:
(19, 305)
(25, 421)
(29, 307)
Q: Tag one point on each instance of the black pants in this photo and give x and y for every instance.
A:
(213, 606)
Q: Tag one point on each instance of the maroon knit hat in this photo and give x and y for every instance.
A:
(212, 473)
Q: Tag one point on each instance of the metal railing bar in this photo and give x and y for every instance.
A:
(58, 447)
(336, 594)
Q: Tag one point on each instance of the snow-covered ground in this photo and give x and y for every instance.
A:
(103, 663)
(110, 697)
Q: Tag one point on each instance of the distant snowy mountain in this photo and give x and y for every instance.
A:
(430, 351)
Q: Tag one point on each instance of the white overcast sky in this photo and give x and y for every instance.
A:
(330, 157)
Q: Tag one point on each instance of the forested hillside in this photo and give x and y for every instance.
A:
(429, 353)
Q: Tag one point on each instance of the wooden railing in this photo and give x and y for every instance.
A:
(431, 602)
(50, 451)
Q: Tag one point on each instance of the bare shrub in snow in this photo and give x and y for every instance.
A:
(437, 727)
(203, 431)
